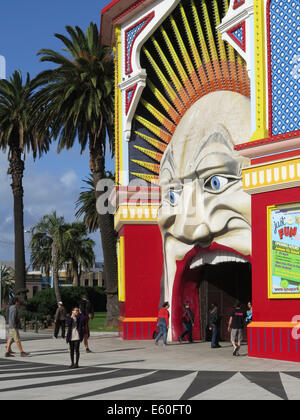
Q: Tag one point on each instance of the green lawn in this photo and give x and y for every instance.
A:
(97, 324)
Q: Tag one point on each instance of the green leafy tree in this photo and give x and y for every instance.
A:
(18, 136)
(77, 96)
(78, 249)
(7, 285)
(41, 252)
(86, 208)
(50, 230)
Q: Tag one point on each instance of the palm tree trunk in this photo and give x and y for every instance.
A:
(55, 270)
(75, 274)
(16, 169)
(108, 240)
(47, 272)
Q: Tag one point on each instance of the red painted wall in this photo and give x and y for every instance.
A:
(265, 309)
(143, 270)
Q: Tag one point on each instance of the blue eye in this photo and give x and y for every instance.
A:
(173, 197)
(216, 183)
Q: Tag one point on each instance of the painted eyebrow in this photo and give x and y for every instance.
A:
(215, 137)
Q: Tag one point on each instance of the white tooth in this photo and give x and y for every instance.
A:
(215, 257)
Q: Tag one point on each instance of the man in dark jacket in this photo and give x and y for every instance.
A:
(60, 320)
(214, 326)
(86, 309)
(188, 322)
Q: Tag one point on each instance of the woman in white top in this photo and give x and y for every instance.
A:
(75, 335)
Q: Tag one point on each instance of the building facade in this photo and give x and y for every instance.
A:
(207, 164)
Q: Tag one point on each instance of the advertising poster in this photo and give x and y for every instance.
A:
(284, 252)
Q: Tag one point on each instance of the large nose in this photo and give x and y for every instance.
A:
(191, 224)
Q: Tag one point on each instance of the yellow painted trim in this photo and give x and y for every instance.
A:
(133, 214)
(121, 269)
(274, 325)
(118, 108)
(261, 131)
(285, 173)
(122, 319)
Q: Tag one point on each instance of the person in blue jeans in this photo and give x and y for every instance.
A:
(163, 323)
(214, 326)
(188, 323)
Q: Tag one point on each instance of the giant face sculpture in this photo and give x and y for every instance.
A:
(205, 214)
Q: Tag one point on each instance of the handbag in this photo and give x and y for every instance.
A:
(155, 332)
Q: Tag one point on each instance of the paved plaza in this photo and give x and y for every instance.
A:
(139, 370)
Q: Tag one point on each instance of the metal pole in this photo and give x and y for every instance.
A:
(0, 285)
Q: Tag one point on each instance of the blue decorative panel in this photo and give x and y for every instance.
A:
(130, 36)
(285, 65)
(238, 34)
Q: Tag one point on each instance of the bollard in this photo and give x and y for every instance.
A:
(36, 325)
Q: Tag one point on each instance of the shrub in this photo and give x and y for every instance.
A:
(44, 302)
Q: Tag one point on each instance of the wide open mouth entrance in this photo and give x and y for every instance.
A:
(224, 284)
(202, 283)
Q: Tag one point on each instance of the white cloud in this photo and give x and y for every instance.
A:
(43, 193)
(69, 179)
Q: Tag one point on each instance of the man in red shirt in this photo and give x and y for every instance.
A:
(163, 323)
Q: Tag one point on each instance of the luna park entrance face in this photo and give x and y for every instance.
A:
(224, 284)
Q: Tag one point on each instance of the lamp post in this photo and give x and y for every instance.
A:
(0, 285)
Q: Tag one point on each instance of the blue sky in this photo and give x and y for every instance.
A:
(54, 181)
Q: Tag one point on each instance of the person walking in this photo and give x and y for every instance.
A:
(188, 323)
(75, 333)
(235, 326)
(60, 320)
(214, 325)
(163, 323)
(86, 309)
(13, 328)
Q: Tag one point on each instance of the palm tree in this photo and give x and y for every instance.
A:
(78, 249)
(86, 207)
(18, 135)
(78, 99)
(41, 252)
(51, 228)
(6, 284)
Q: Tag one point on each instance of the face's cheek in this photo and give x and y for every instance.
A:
(174, 251)
(229, 218)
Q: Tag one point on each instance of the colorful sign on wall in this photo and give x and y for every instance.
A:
(284, 251)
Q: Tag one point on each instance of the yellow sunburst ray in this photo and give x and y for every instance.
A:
(170, 110)
(158, 131)
(212, 46)
(159, 116)
(221, 47)
(151, 153)
(182, 73)
(159, 145)
(195, 53)
(189, 65)
(179, 87)
(170, 91)
(153, 167)
(152, 179)
(204, 50)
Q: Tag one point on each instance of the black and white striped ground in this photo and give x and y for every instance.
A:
(119, 370)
